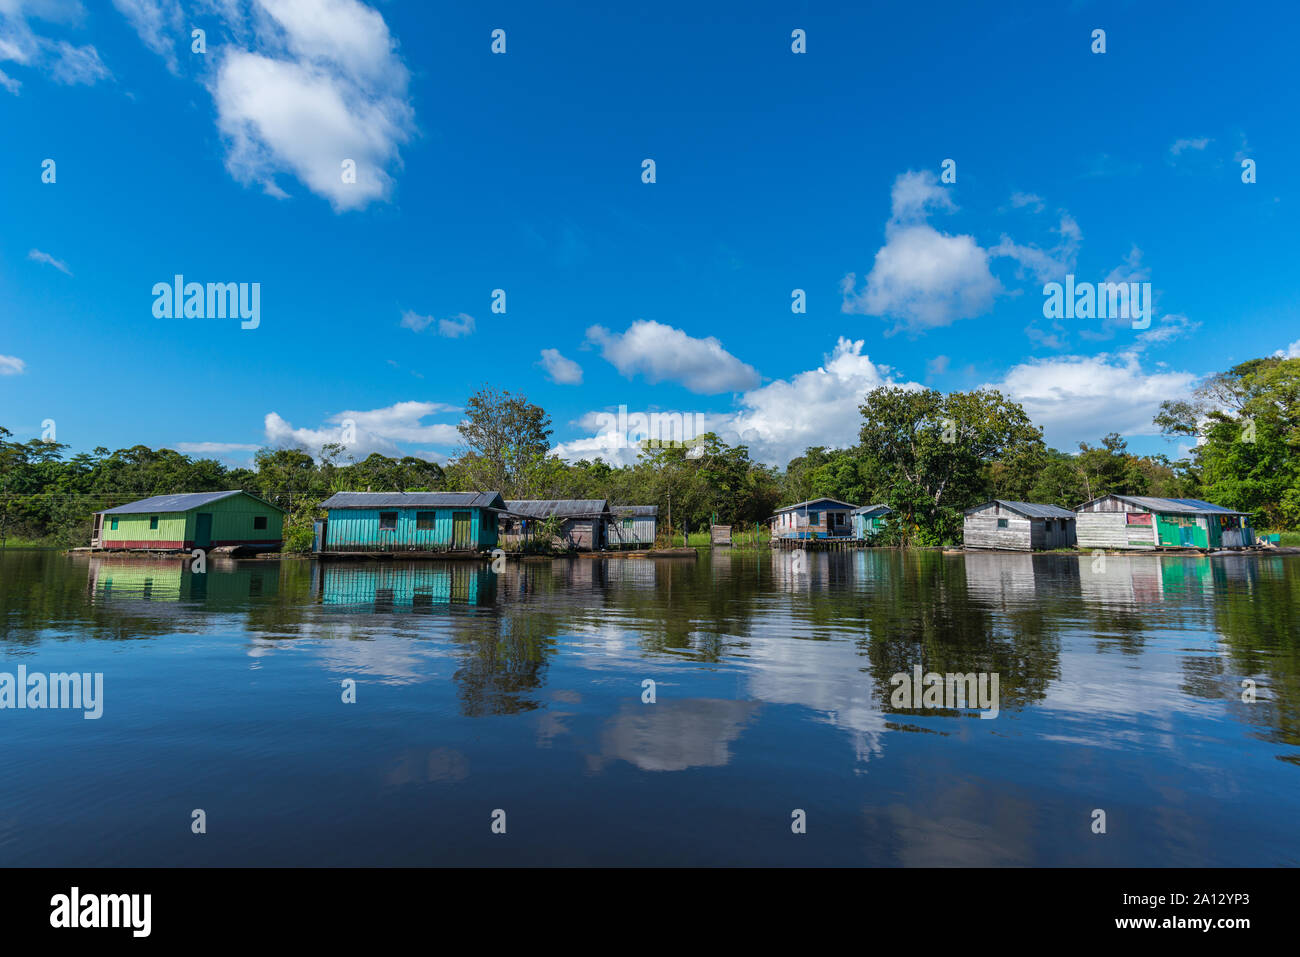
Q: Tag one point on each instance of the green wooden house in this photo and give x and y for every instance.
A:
(191, 520)
(1144, 521)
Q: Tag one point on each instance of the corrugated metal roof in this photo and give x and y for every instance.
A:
(1028, 509)
(1178, 506)
(563, 507)
(629, 511)
(871, 509)
(812, 502)
(182, 502)
(413, 500)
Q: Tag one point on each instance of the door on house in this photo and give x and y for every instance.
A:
(461, 536)
(203, 530)
(99, 524)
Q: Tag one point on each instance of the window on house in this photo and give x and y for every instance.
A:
(628, 523)
(812, 518)
(112, 523)
(153, 523)
(388, 521)
(424, 521)
(259, 522)
(1002, 523)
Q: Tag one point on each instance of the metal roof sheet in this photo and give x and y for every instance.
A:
(1027, 509)
(1178, 506)
(815, 501)
(629, 511)
(181, 502)
(563, 507)
(871, 509)
(413, 500)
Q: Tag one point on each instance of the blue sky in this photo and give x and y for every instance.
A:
(522, 171)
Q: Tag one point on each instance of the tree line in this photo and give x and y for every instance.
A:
(926, 454)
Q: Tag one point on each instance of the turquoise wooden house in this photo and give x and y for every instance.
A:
(405, 523)
(869, 521)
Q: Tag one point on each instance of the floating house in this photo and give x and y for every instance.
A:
(869, 521)
(816, 518)
(632, 526)
(1142, 521)
(583, 521)
(191, 520)
(403, 523)
(1018, 526)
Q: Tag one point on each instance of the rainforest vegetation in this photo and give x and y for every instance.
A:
(926, 454)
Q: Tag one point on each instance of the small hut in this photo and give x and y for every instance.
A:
(582, 521)
(816, 518)
(631, 526)
(1143, 521)
(1018, 526)
(404, 522)
(191, 520)
(869, 521)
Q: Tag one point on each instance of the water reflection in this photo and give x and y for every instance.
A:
(1122, 677)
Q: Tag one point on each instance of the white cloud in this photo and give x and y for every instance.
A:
(456, 327)
(37, 256)
(1045, 265)
(1082, 397)
(922, 277)
(11, 365)
(778, 420)
(1168, 328)
(214, 448)
(662, 353)
(1290, 352)
(1180, 146)
(158, 23)
(560, 370)
(301, 87)
(65, 62)
(364, 432)
(1020, 200)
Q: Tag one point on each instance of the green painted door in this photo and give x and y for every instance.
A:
(461, 536)
(202, 530)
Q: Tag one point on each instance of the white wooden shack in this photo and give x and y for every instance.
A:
(1018, 526)
(632, 526)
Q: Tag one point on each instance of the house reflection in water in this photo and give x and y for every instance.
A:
(170, 579)
(405, 587)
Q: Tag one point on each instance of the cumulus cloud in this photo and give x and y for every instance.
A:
(662, 353)
(11, 365)
(312, 89)
(560, 370)
(921, 277)
(375, 430)
(1290, 352)
(37, 256)
(1075, 397)
(778, 420)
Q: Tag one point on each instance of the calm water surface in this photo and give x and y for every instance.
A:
(1121, 689)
